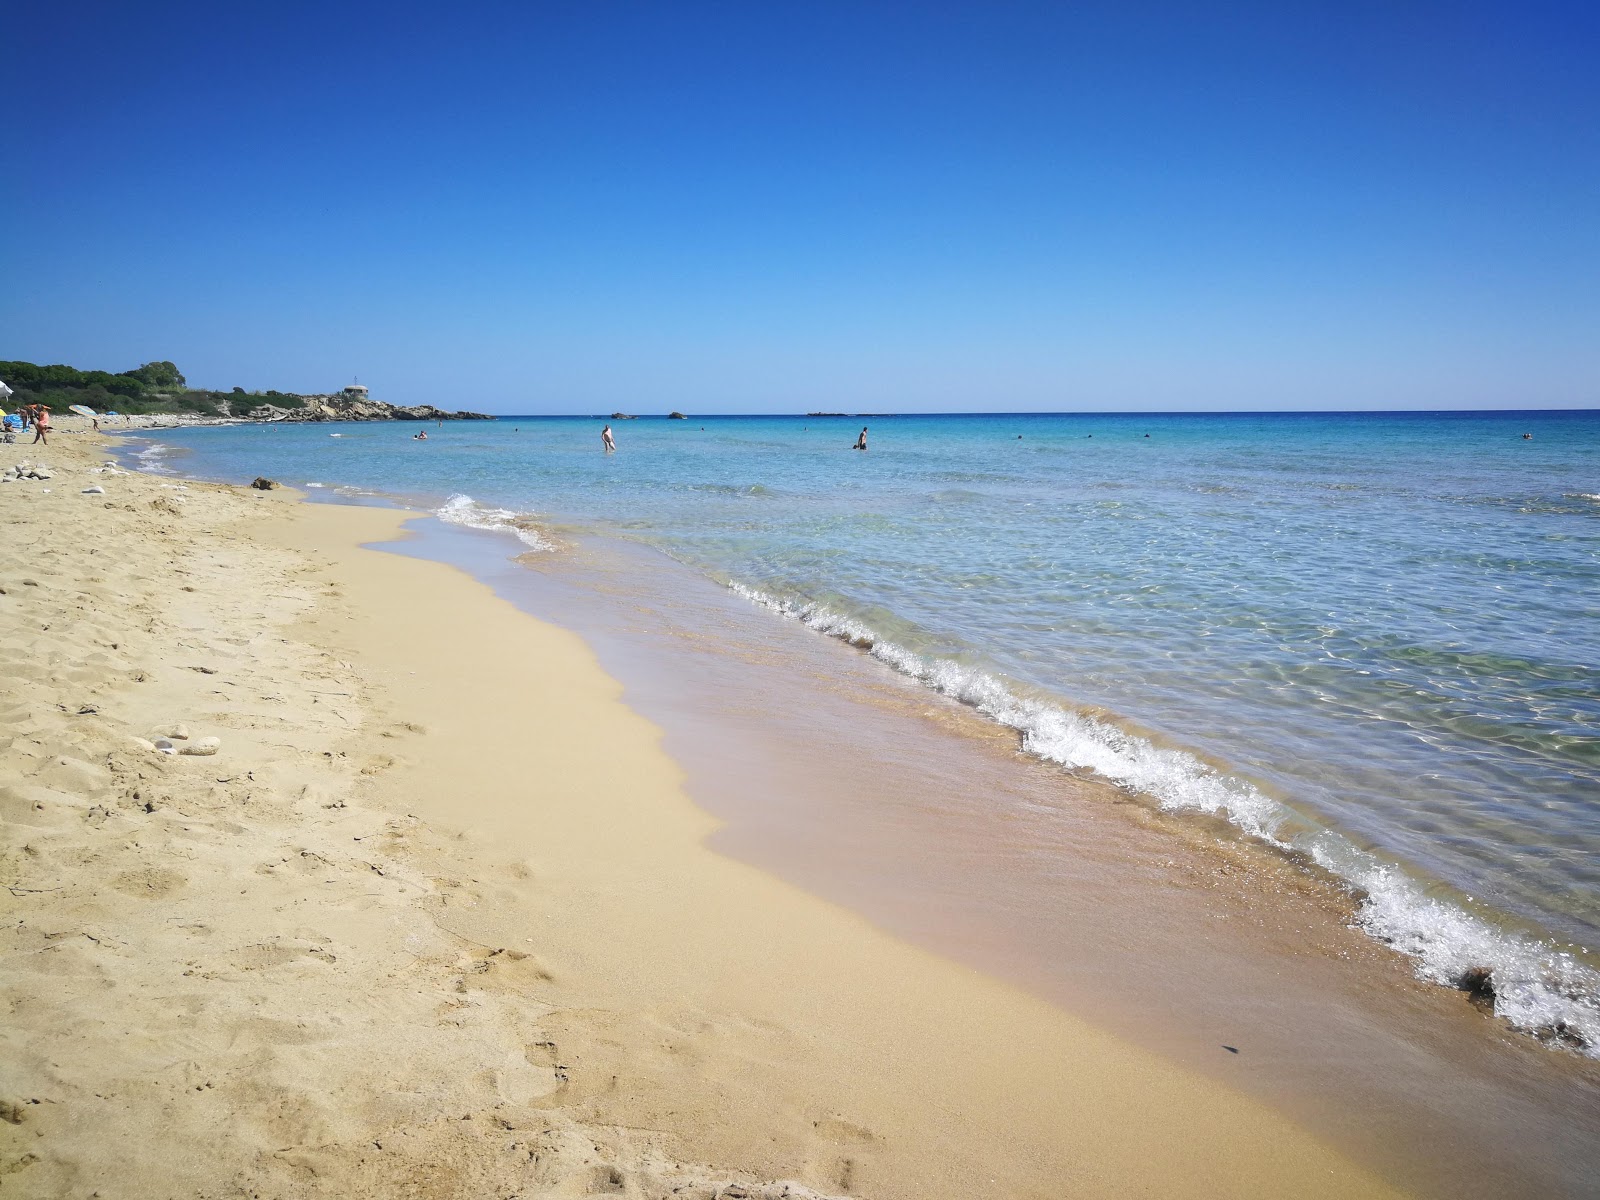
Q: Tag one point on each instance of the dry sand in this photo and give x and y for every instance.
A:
(437, 919)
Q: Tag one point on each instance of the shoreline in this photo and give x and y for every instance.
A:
(1535, 978)
(607, 972)
(1236, 940)
(1166, 936)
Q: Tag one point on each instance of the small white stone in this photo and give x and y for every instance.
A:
(205, 745)
(165, 746)
(140, 743)
(96, 490)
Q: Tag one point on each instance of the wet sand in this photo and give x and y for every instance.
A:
(837, 773)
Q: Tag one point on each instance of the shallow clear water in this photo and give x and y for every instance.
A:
(1372, 638)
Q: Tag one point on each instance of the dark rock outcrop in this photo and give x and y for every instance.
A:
(262, 484)
(676, 416)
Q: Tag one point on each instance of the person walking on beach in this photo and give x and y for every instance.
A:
(861, 442)
(41, 425)
(607, 440)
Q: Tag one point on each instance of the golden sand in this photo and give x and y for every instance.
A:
(437, 919)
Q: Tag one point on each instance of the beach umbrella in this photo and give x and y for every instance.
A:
(83, 410)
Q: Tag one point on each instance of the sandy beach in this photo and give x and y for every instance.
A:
(436, 917)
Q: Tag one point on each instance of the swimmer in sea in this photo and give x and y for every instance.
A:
(607, 440)
(861, 442)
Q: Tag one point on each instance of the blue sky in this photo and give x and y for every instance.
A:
(772, 207)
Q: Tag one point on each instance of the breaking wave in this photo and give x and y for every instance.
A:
(1534, 985)
(464, 510)
(151, 458)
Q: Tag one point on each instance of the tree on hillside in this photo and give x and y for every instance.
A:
(159, 375)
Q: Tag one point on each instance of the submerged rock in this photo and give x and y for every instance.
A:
(1478, 984)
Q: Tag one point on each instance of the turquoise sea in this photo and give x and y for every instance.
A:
(1371, 639)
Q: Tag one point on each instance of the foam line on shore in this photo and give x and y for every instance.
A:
(1536, 986)
(461, 509)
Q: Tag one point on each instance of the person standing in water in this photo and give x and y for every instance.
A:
(861, 442)
(607, 440)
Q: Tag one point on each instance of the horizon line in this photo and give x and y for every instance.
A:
(1230, 412)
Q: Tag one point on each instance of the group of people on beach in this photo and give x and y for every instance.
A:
(35, 415)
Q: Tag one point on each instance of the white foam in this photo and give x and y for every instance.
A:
(1538, 987)
(464, 510)
(149, 459)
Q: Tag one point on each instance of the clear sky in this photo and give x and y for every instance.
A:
(774, 207)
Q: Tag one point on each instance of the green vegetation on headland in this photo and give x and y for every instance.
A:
(156, 387)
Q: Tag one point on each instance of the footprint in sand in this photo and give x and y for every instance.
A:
(837, 1147)
(149, 883)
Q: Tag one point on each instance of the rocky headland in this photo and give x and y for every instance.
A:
(157, 394)
(342, 407)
